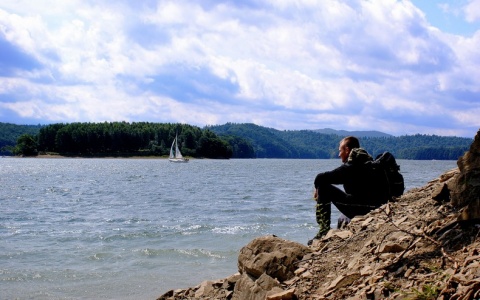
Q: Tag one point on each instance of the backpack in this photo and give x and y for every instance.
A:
(386, 163)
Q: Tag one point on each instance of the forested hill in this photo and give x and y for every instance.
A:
(116, 139)
(229, 140)
(273, 143)
(370, 133)
(9, 134)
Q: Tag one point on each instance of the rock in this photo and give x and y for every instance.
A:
(343, 234)
(441, 193)
(266, 261)
(448, 175)
(367, 270)
(166, 295)
(248, 288)
(306, 275)
(285, 295)
(391, 247)
(299, 271)
(205, 288)
(465, 188)
(408, 273)
(291, 281)
(231, 281)
(271, 255)
(344, 280)
(366, 222)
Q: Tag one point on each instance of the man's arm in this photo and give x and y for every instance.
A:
(336, 176)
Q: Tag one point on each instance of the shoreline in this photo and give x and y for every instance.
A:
(58, 156)
(385, 254)
(106, 157)
(422, 245)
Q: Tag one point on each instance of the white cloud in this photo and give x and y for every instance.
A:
(285, 64)
(472, 11)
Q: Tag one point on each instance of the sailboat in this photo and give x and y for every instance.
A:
(175, 154)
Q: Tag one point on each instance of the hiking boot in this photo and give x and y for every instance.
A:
(317, 237)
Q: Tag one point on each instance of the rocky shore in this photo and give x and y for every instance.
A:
(424, 245)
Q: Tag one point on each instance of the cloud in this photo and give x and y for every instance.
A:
(472, 11)
(13, 59)
(352, 65)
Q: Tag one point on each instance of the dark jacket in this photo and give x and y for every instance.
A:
(358, 178)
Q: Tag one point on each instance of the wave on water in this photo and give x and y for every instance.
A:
(132, 229)
(185, 253)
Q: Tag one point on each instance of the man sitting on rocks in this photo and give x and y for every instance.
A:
(365, 189)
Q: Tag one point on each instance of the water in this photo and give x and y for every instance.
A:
(135, 228)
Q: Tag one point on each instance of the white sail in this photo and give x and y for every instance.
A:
(177, 155)
(172, 154)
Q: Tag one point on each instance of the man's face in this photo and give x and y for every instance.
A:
(343, 151)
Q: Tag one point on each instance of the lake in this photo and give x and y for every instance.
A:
(136, 228)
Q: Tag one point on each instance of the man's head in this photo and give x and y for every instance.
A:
(346, 145)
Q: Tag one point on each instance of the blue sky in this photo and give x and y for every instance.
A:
(401, 67)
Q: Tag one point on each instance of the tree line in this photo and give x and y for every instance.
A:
(273, 143)
(9, 133)
(220, 141)
(126, 139)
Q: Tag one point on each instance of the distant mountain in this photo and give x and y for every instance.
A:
(266, 141)
(273, 143)
(249, 140)
(9, 133)
(358, 134)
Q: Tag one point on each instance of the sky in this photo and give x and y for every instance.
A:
(400, 67)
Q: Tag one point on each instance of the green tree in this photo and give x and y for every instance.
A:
(26, 145)
(272, 143)
(46, 137)
(9, 133)
(211, 146)
(241, 147)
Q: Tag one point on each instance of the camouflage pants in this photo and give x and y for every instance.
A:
(323, 214)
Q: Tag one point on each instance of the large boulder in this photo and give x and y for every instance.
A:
(271, 255)
(465, 187)
(264, 263)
